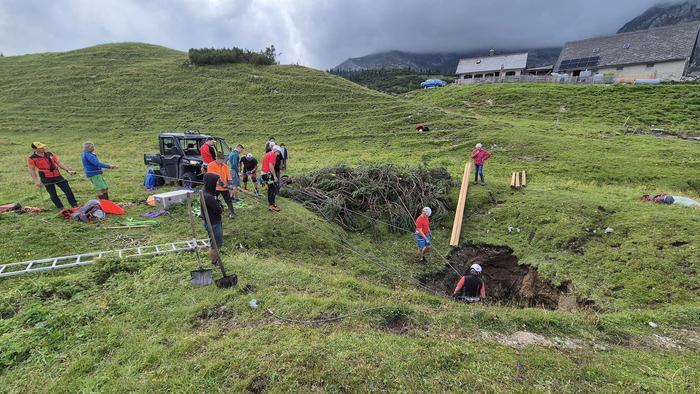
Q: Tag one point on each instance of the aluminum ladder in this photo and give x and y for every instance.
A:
(78, 260)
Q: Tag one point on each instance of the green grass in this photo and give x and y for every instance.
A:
(139, 326)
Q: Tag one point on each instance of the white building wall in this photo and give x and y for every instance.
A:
(665, 70)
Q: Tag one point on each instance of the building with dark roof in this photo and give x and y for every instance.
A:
(661, 53)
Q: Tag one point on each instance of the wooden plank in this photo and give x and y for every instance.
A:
(512, 180)
(517, 180)
(524, 181)
(461, 204)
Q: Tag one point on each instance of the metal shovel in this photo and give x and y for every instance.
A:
(225, 281)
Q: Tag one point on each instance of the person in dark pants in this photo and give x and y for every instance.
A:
(219, 167)
(47, 165)
(285, 156)
(214, 211)
(471, 288)
(270, 169)
(250, 170)
(480, 155)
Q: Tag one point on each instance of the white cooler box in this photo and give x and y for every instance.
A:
(166, 200)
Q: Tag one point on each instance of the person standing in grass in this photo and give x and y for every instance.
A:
(285, 156)
(208, 152)
(423, 235)
(234, 162)
(93, 170)
(480, 155)
(471, 287)
(270, 176)
(250, 170)
(214, 210)
(219, 167)
(47, 165)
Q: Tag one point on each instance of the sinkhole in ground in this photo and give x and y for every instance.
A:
(506, 281)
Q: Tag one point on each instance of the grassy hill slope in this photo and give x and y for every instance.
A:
(122, 326)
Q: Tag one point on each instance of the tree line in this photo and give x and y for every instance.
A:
(213, 56)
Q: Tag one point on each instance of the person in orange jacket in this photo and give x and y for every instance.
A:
(219, 167)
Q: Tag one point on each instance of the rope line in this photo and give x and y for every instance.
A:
(364, 254)
(388, 224)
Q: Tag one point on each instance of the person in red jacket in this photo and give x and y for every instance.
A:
(423, 235)
(480, 155)
(208, 151)
(271, 176)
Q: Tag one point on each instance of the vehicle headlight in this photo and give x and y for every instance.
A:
(194, 162)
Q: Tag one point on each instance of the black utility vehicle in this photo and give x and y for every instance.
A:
(179, 159)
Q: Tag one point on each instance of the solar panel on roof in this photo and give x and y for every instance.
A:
(584, 62)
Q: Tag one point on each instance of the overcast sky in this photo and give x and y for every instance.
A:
(316, 33)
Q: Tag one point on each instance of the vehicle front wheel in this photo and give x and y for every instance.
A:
(160, 181)
(188, 180)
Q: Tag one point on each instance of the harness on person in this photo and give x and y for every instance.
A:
(46, 165)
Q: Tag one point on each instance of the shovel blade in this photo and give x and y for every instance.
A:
(227, 281)
(201, 277)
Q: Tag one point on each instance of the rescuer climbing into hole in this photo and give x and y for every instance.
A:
(471, 288)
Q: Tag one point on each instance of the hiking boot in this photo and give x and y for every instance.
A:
(483, 183)
(273, 208)
(237, 199)
(231, 215)
(424, 260)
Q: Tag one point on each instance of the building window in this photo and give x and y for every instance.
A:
(498, 73)
(478, 76)
(510, 73)
(468, 76)
(650, 65)
(620, 68)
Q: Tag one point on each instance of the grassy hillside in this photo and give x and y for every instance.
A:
(140, 326)
(396, 81)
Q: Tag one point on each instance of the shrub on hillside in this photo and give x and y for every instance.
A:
(356, 198)
(213, 56)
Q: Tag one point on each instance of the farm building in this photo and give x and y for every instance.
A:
(661, 53)
(491, 67)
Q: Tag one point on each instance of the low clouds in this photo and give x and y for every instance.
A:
(318, 33)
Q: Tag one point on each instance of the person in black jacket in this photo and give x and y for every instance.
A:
(214, 211)
(471, 287)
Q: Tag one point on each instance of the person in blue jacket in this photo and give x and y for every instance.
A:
(93, 170)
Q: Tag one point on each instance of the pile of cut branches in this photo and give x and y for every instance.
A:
(357, 198)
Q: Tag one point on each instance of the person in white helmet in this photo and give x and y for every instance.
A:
(471, 287)
(423, 235)
(479, 155)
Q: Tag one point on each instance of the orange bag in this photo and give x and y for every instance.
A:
(111, 208)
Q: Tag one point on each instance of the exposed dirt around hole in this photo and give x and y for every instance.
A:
(506, 281)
